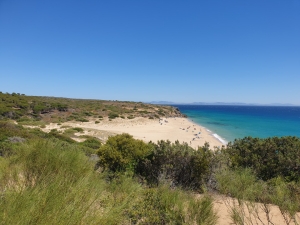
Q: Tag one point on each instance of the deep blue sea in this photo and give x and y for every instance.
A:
(231, 122)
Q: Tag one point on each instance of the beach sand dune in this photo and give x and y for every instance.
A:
(145, 129)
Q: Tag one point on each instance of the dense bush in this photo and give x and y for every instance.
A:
(268, 158)
(92, 142)
(175, 163)
(122, 152)
(113, 115)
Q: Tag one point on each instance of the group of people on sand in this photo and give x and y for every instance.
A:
(161, 121)
(197, 135)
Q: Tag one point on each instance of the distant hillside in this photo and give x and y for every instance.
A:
(162, 102)
(53, 109)
(219, 103)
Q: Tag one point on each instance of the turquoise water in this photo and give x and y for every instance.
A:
(231, 122)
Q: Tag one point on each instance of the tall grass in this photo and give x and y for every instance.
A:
(47, 183)
(53, 182)
(164, 206)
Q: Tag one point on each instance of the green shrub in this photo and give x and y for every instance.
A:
(177, 164)
(82, 120)
(241, 184)
(54, 133)
(70, 132)
(122, 152)
(92, 142)
(268, 158)
(87, 113)
(285, 195)
(8, 129)
(164, 206)
(113, 115)
(156, 116)
(78, 129)
(161, 112)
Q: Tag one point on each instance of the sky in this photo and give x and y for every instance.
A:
(152, 50)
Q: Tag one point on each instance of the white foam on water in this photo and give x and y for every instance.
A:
(223, 141)
(220, 139)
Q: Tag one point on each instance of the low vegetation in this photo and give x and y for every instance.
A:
(136, 182)
(268, 158)
(48, 178)
(34, 110)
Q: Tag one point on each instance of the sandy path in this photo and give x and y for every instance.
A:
(223, 204)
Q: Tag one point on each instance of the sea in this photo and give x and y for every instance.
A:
(230, 122)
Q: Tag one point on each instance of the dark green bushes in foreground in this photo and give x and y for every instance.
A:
(265, 171)
(268, 158)
(180, 165)
(251, 170)
(177, 164)
(49, 181)
(122, 152)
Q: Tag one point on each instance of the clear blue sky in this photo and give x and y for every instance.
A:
(144, 50)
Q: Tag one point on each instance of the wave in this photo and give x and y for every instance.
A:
(220, 139)
(223, 141)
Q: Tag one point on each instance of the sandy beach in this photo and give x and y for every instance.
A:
(147, 130)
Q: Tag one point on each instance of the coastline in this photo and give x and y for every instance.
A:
(236, 122)
(218, 137)
(172, 129)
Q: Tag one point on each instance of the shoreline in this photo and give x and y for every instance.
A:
(218, 137)
(171, 128)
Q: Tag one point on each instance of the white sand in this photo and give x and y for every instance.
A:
(147, 130)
